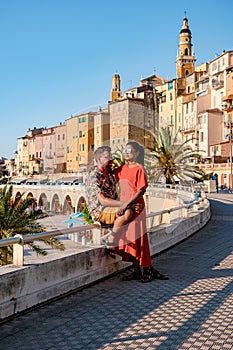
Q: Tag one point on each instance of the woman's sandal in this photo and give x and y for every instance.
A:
(157, 275)
(133, 276)
(147, 276)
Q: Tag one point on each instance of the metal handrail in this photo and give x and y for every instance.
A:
(168, 211)
(40, 235)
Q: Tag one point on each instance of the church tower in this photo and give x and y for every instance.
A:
(185, 58)
(116, 88)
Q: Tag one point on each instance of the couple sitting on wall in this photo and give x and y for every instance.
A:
(126, 214)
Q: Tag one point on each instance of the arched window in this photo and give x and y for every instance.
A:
(186, 51)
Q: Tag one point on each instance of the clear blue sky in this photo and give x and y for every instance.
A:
(57, 57)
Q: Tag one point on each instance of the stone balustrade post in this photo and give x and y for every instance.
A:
(184, 212)
(167, 218)
(96, 235)
(18, 252)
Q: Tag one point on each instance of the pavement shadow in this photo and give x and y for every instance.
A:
(113, 314)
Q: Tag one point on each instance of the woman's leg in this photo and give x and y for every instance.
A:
(119, 222)
(137, 273)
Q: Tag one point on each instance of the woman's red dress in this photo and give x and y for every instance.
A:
(134, 238)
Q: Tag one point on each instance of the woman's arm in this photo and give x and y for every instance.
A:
(131, 202)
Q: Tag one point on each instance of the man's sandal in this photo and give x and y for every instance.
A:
(104, 239)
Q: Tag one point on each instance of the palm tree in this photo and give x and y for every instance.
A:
(170, 159)
(15, 219)
(118, 158)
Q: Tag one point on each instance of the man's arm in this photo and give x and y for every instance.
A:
(109, 202)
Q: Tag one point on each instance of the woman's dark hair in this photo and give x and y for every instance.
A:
(138, 148)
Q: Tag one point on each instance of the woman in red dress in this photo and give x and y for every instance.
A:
(133, 243)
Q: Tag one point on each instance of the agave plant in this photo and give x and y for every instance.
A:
(170, 158)
(15, 219)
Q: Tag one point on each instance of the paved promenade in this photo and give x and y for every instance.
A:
(192, 310)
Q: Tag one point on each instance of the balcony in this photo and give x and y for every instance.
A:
(224, 106)
(217, 84)
(227, 106)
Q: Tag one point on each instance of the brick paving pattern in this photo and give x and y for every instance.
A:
(192, 310)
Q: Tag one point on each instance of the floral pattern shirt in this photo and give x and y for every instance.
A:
(99, 183)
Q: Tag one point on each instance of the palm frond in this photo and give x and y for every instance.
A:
(170, 157)
(14, 219)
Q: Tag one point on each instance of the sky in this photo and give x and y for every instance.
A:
(58, 57)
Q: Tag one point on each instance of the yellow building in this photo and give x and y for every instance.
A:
(102, 128)
(79, 142)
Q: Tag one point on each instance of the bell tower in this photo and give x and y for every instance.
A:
(185, 58)
(116, 88)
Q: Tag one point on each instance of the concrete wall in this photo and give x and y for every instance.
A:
(44, 279)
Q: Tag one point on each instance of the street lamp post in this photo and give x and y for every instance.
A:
(231, 156)
(229, 126)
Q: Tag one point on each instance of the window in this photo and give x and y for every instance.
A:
(170, 85)
(179, 117)
(201, 136)
(82, 120)
(162, 98)
(171, 96)
(214, 66)
(171, 107)
(58, 137)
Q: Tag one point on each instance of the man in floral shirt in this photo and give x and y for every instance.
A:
(103, 203)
